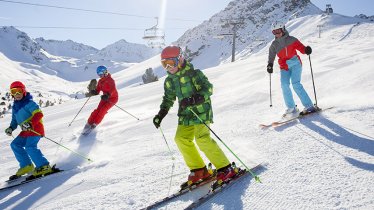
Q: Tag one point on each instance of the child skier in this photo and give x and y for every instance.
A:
(27, 114)
(285, 46)
(108, 99)
(193, 90)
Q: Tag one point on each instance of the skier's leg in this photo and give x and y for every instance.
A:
(20, 153)
(286, 90)
(210, 147)
(98, 114)
(35, 153)
(298, 87)
(184, 139)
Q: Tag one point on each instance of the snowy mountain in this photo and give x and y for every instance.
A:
(67, 59)
(253, 19)
(67, 48)
(325, 161)
(371, 18)
(126, 52)
(18, 46)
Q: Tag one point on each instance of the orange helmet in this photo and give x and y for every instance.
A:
(171, 52)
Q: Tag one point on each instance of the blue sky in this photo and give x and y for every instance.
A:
(180, 16)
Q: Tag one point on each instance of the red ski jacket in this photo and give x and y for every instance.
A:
(108, 86)
(285, 48)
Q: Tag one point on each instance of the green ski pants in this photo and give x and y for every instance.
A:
(184, 140)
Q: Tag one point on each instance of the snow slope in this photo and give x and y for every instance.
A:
(321, 162)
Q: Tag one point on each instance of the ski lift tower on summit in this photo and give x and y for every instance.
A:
(155, 36)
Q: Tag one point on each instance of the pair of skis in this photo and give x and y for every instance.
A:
(179, 193)
(286, 121)
(27, 179)
(241, 174)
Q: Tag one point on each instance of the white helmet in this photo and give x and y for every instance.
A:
(277, 25)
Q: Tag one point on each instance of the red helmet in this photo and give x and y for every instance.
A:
(171, 52)
(18, 84)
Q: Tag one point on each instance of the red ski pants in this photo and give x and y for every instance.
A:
(98, 114)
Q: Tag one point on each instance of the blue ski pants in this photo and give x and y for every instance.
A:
(25, 149)
(293, 75)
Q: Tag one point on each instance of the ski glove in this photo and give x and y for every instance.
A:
(269, 68)
(94, 92)
(105, 97)
(26, 126)
(308, 50)
(158, 118)
(9, 131)
(193, 100)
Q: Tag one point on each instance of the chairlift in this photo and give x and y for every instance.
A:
(155, 36)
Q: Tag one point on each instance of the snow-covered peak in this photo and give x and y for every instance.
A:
(18, 46)
(126, 52)
(253, 29)
(371, 18)
(69, 60)
(66, 48)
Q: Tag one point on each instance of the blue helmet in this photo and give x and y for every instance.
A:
(101, 70)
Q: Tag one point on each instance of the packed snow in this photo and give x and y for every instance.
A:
(324, 161)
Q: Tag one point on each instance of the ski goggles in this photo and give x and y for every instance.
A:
(16, 91)
(103, 73)
(277, 31)
(169, 63)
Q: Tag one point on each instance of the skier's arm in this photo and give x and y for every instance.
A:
(169, 95)
(112, 87)
(37, 117)
(272, 54)
(202, 84)
(299, 46)
(13, 123)
(108, 87)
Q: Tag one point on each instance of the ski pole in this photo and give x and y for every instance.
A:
(84, 157)
(171, 154)
(79, 111)
(172, 158)
(314, 88)
(271, 101)
(249, 170)
(125, 111)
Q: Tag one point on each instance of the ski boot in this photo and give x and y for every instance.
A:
(43, 171)
(309, 110)
(88, 128)
(197, 176)
(291, 113)
(22, 171)
(224, 175)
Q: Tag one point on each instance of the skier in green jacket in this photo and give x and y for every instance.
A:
(193, 91)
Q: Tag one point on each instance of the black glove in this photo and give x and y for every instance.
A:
(105, 97)
(9, 131)
(193, 100)
(94, 92)
(269, 68)
(308, 50)
(158, 118)
(26, 126)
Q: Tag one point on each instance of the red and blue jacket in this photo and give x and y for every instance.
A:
(285, 48)
(26, 110)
